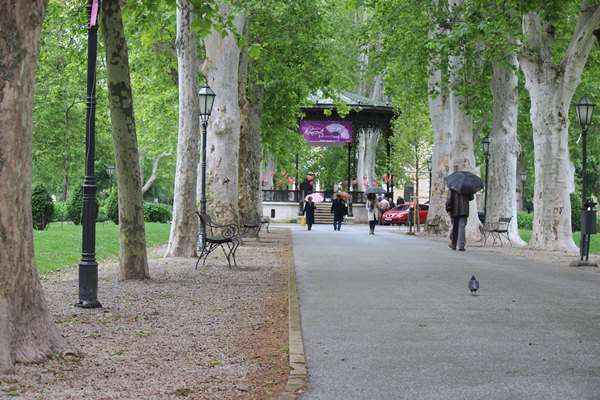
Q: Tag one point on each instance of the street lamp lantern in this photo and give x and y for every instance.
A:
(585, 108)
(110, 170)
(485, 143)
(207, 98)
(523, 176)
(429, 164)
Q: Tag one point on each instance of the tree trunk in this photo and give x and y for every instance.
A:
(154, 173)
(551, 87)
(439, 113)
(27, 333)
(223, 141)
(184, 226)
(520, 183)
(65, 194)
(250, 202)
(504, 148)
(366, 152)
(133, 261)
(268, 172)
(462, 157)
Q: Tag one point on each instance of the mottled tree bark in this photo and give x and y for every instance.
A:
(366, 151)
(551, 88)
(462, 156)
(250, 195)
(221, 67)
(27, 333)
(439, 113)
(184, 225)
(133, 261)
(268, 172)
(368, 138)
(504, 148)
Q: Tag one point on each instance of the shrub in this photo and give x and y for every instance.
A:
(75, 206)
(156, 212)
(60, 211)
(112, 205)
(525, 220)
(42, 207)
(576, 211)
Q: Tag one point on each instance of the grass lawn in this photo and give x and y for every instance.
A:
(594, 245)
(59, 245)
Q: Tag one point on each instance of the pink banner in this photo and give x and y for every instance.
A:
(94, 13)
(326, 132)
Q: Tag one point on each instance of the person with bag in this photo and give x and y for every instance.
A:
(339, 211)
(373, 212)
(309, 212)
(457, 206)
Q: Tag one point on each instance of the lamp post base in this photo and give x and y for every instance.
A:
(88, 304)
(583, 263)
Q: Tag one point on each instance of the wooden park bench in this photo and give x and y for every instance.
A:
(496, 230)
(228, 237)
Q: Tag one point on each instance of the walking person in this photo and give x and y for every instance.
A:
(309, 212)
(339, 211)
(373, 212)
(457, 206)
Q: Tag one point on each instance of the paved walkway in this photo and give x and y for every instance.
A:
(390, 317)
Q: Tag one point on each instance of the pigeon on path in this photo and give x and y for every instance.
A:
(473, 285)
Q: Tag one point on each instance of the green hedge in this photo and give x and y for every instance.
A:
(156, 212)
(111, 205)
(60, 212)
(42, 207)
(75, 206)
(525, 220)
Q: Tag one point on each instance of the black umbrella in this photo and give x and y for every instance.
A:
(375, 190)
(464, 182)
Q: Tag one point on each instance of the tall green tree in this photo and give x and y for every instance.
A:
(27, 333)
(133, 261)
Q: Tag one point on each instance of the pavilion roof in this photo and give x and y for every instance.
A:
(352, 100)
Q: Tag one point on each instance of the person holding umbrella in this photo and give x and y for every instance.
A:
(373, 209)
(463, 185)
(339, 211)
(309, 212)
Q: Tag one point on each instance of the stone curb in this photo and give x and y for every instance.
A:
(298, 377)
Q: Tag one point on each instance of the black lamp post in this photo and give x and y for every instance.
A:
(206, 97)
(429, 168)
(523, 176)
(585, 108)
(88, 267)
(485, 143)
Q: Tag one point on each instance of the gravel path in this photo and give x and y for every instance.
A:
(390, 317)
(215, 333)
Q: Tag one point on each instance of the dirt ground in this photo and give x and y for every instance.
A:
(214, 333)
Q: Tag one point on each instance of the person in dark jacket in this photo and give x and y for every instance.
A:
(339, 211)
(457, 206)
(309, 212)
